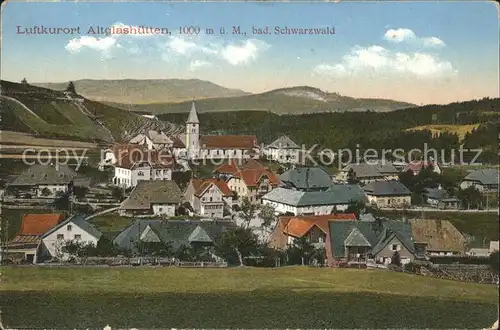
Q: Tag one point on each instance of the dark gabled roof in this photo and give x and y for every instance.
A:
(45, 174)
(371, 169)
(356, 238)
(486, 176)
(375, 234)
(436, 193)
(79, 221)
(127, 237)
(340, 230)
(401, 230)
(176, 232)
(304, 178)
(386, 188)
(148, 192)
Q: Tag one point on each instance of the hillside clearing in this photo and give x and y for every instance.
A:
(460, 130)
(287, 297)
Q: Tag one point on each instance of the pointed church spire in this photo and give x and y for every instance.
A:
(193, 116)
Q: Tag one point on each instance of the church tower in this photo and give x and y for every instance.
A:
(193, 132)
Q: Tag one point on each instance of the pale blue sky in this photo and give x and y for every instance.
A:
(422, 52)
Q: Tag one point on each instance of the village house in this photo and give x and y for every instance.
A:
(306, 179)
(209, 197)
(153, 140)
(416, 165)
(282, 150)
(299, 202)
(233, 166)
(252, 184)
(388, 194)
(159, 198)
(158, 140)
(440, 198)
(438, 237)
(360, 242)
(25, 245)
(139, 165)
(73, 229)
(313, 227)
(42, 181)
(196, 234)
(215, 146)
(483, 180)
(369, 172)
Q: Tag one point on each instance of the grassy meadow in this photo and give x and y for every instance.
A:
(288, 297)
(460, 130)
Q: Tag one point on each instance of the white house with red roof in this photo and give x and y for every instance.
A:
(209, 197)
(25, 245)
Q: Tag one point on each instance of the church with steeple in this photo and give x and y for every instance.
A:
(215, 146)
(192, 133)
(193, 145)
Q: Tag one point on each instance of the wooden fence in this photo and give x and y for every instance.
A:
(122, 261)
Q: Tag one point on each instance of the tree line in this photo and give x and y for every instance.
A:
(386, 130)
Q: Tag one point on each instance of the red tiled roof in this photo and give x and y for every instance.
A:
(235, 165)
(252, 177)
(298, 226)
(201, 186)
(39, 224)
(245, 142)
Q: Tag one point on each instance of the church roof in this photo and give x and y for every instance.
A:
(193, 116)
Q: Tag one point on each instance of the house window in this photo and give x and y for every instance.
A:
(160, 209)
(395, 247)
(140, 173)
(60, 236)
(78, 237)
(68, 227)
(210, 198)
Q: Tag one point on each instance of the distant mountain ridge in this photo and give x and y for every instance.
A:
(290, 101)
(138, 91)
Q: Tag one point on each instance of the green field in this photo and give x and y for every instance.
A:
(290, 297)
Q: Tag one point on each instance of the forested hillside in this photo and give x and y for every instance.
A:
(368, 129)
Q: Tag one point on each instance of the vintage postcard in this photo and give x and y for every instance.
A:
(289, 165)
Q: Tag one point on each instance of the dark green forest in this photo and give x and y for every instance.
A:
(368, 130)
